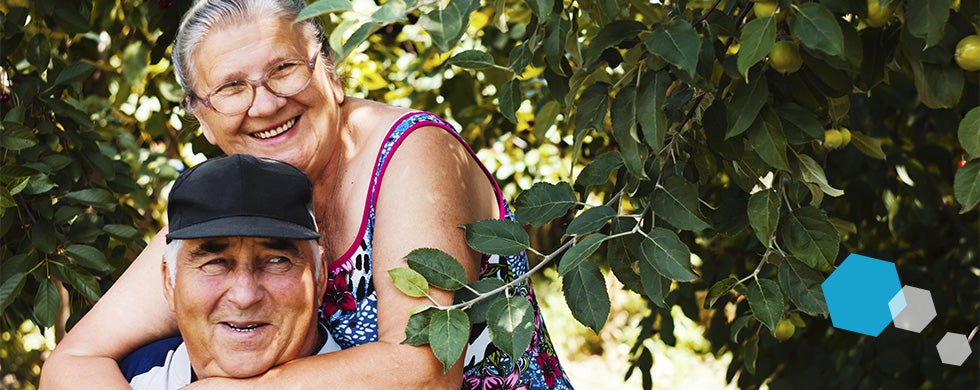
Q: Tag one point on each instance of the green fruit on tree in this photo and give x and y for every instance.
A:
(967, 53)
(768, 8)
(845, 136)
(785, 57)
(784, 330)
(877, 15)
(832, 139)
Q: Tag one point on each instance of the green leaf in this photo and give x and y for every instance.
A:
(590, 220)
(409, 281)
(966, 185)
(939, 86)
(10, 289)
(676, 201)
(519, 58)
(541, 8)
(655, 286)
(47, 303)
(83, 282)
(92, 196)
(390, 12)
(817, 29)
(746, 103)
(766, 301)
(359, 36)
(497, 237)
(122, 232)
(88, 257)
(668, 255)
(718, 290)
(511, 325)
(509, 99)
(580, 252)
(449, 330)
(871, 147)
(926, 19)
(810, 237)
(766, 137)
(472, 59)
(544, 202)
(417, 331)
(751, 351)
(592, 107)
(811, 172)
(6, 200)
(802, 286)
(74, 72)
(447, 24)
(585, 293)
(545, 118)
(611, 35)
(321, 7)
(43, 236)
(15, 136)
(969, 132)
(799, 124)
(674, 44)
(439, 268)
(598, 170)
(763, 211)
(478, 311)
(757, 39)
(622, 114)
(650, 113)
(39, 52)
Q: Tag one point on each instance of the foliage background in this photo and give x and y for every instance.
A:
(669, 113)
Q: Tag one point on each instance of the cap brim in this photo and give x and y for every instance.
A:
(244, 226)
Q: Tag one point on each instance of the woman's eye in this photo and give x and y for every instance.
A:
(230, 88)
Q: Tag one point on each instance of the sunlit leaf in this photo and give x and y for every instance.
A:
(409, 281)
(811, 172)
(439, 268)
(321, 7)
(472, 59)
(448, 23)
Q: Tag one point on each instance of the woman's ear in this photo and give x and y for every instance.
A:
(208, 134)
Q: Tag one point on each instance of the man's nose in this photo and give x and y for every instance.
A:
(245, 289)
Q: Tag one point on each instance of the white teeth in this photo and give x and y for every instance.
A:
(247, 328)
(274, 132)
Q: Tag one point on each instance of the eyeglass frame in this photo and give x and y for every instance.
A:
(261, 82)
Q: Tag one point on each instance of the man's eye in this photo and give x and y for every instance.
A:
(278, 264)
(215, 266)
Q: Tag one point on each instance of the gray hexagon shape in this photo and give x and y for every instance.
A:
(918, 309)
(954, 348)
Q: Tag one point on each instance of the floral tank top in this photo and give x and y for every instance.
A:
(350, 301)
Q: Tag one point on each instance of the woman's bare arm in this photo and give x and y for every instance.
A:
(132, 313)
(430, 189)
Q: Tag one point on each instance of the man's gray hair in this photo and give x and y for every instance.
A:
(173, 248)
(207, 14)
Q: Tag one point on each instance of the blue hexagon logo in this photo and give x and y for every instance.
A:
(858, 294)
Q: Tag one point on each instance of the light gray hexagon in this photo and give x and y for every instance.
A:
(954, 348)
(915, 309)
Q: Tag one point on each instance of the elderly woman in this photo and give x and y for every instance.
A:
(386, 181)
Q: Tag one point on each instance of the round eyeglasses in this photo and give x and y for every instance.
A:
(284, 79)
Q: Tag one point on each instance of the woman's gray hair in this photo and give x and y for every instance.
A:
(205, 15)
(173, 248)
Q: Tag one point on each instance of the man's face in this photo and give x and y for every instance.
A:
(244, 304)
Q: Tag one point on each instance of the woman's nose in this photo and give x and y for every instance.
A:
(265, 102)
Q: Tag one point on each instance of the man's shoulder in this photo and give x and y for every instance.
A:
(144, 359)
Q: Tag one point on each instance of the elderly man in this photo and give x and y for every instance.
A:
(242, 272)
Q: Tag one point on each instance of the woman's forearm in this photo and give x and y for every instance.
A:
(132, 313)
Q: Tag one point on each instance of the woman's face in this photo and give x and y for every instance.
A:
(292, 129)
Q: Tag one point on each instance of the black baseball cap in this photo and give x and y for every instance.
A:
(241, 196)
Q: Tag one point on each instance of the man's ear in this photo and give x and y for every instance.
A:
(168, 288)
